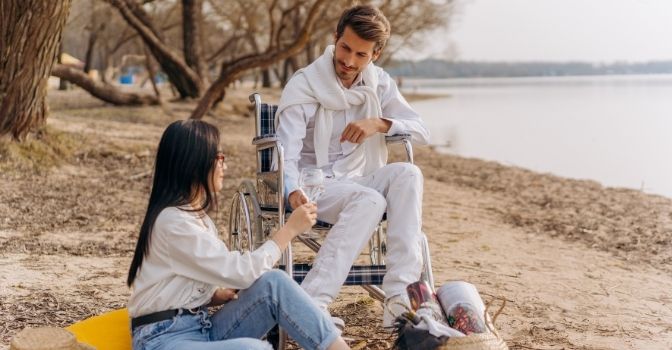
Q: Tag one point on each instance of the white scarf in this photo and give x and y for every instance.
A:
(318, 83)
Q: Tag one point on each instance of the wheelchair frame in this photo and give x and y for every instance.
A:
(257, 208)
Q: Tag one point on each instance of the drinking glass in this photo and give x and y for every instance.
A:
(311, 181)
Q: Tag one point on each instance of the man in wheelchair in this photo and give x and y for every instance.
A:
(334, 114)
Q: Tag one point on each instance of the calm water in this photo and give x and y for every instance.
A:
(616, 130)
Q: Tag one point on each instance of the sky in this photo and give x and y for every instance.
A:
(558, 30)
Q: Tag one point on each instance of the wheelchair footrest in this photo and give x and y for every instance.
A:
(359, 274)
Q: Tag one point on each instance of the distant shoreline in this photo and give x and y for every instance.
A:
(628, 76)
(433, 68)
(436, 86)
(415, 97)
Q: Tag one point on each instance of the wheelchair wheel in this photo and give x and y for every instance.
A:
(378, 246)
(245, 221)
(427, 274)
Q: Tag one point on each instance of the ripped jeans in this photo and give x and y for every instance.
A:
(274, 298)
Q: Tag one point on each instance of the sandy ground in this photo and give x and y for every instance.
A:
(581, 266)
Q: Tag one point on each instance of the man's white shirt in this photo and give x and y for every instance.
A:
(297, 124)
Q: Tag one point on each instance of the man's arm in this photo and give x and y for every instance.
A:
(398, 117)
(291, 132)
(358, 131)
(403, 119)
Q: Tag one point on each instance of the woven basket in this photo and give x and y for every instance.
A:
(480, 341)
(46, 338)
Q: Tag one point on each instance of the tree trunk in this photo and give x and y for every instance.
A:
(192, 18)
(151, 70)
(266, 78)
(288, 68)
(106, 92)
(30, 32)
(310, 52)
(62, 83)
(88, 58)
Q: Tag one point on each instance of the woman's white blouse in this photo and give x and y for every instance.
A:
(187, 262)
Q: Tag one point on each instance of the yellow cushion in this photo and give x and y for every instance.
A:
(109, 331)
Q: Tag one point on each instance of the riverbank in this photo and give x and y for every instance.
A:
(582, 266)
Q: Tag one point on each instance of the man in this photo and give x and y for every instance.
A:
(334, 115)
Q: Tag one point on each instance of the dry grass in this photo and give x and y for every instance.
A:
(46, 148)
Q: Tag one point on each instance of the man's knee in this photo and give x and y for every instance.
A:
(407, 173)
(374, 201)
(409, 170)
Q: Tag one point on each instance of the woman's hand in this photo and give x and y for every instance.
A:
(223, 295)
(302, 219)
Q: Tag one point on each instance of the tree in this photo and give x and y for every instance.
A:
(183, 77)
(189, 73)
(276, 51)
(30, 36)
(190, 40)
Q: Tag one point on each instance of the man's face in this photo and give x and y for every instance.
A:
(352, 54)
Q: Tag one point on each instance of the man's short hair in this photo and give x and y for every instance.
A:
(368, 22)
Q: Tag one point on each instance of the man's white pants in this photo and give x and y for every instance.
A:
(355, 207)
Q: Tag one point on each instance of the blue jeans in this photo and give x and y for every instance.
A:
(274, 298)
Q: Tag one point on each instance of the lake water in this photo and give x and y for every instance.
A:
(616, 130)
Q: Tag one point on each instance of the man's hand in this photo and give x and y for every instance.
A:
(358, 131)
(297, 199)
(223, 295)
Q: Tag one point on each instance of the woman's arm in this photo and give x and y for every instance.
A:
(200, 255)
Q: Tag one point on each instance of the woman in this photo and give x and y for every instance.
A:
(180, 266)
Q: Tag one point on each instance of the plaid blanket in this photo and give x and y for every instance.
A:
(359, 274)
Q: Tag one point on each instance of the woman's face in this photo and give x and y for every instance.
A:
(218, 172)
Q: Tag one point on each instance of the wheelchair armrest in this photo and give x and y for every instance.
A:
(404, 139)
(398, 138)
(265, 140)
(255, 98)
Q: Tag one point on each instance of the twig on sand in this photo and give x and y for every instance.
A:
(497, 296)
(490, 272)
(140, 175)
(532, 348)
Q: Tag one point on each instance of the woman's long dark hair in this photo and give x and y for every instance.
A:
(184, 162)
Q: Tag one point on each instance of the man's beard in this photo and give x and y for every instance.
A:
(344, 74)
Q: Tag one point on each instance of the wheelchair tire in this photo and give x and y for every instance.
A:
(245, 221)
(378, 247)
(427, 273)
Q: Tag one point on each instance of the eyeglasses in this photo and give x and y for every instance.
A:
(220, 158)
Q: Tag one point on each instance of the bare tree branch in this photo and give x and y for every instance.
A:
(185, 79)
(231, 71)
(105, 92)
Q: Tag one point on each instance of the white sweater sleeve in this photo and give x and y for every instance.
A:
(198, 254)
(404, 119)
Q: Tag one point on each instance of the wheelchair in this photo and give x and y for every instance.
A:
(258, 208)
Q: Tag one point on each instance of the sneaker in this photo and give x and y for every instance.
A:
(338, 322)
(394, 306)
